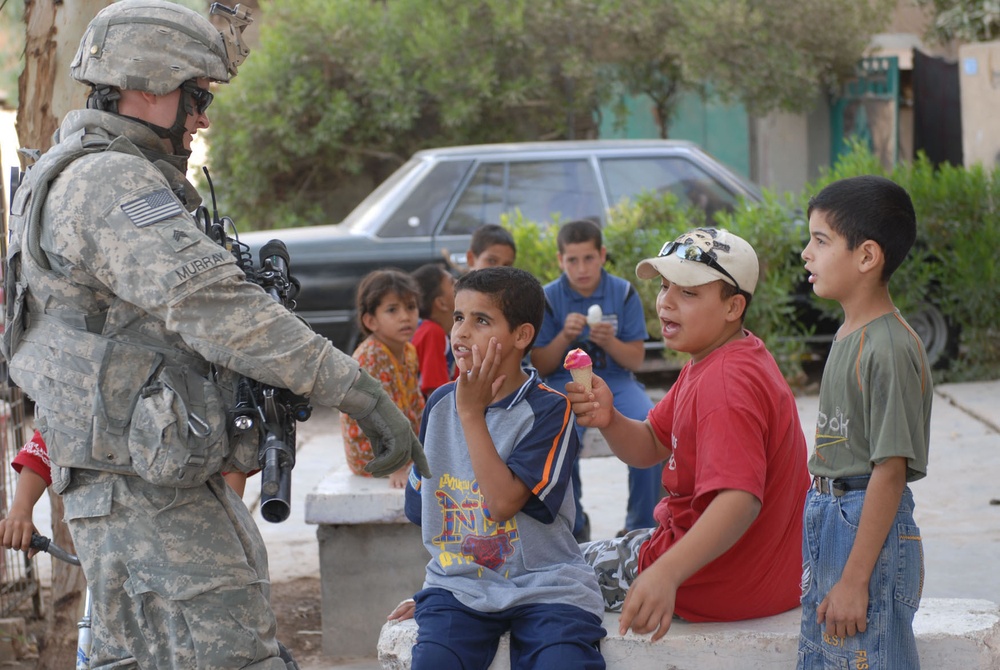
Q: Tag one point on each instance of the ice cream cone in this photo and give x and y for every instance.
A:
(583, 376)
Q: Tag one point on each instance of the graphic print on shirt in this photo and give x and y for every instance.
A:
(831, 430)
(468, 535)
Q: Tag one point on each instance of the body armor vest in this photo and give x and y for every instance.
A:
(108, 396)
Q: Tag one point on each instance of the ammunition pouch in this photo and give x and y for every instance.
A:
(121, 406)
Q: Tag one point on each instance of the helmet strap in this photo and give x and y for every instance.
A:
(104, 98)
(174, 133)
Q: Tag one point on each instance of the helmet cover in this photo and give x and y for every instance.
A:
(153, 46)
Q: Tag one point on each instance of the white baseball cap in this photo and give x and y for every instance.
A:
(704, 255)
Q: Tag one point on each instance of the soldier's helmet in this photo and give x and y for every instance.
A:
(155, 46)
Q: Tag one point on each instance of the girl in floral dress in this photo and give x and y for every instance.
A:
(387, 314)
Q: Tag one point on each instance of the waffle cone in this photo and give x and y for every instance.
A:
(583, 376)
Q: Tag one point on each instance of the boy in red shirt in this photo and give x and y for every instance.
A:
(728, 543)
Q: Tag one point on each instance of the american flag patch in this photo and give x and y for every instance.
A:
(156, 206)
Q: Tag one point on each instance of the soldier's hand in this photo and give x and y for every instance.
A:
(388, 430)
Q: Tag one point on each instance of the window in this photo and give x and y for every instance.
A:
(538, 189)
(628, 177)
(420, 212)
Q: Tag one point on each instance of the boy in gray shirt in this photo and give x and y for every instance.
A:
(497, 516)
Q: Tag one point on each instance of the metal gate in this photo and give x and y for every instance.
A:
(868, 110)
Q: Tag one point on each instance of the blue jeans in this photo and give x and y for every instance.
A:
(829, 529)
(645, 488)
(451, 636)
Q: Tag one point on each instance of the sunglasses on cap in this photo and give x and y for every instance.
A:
(200, 98)
(692, 252)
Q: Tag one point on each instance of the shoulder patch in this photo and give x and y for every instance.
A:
(152, 207)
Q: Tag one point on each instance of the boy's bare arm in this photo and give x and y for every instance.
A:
(547, 359)
(845, 606)
(503, 493)
(631, 441)
(16, 529)
(649, 605)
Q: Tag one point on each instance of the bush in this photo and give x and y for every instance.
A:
(637, 230)
(953, 265)
(951, 268)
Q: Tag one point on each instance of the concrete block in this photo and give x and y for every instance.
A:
(370, 558)
(365, 570)
(345, 498)
(951, 633)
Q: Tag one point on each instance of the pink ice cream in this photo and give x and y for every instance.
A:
(580, 367)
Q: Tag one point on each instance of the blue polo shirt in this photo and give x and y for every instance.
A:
(621, 306)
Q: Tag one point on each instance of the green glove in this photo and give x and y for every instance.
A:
(392, 438)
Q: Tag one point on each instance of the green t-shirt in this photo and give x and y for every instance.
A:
(874, 402)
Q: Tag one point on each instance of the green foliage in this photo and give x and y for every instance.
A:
(11, 49)
(953, 264)
(639, 229)
(536, 245)
(963, 20)
(771, 55)
(339, 89)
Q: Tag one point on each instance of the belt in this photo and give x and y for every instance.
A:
(840, 486)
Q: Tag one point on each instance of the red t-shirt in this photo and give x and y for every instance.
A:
(34, 456)
(732, 423)
(432, 356)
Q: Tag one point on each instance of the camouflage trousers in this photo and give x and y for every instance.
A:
(616, 563)
(178, 577)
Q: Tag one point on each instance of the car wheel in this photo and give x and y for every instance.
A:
(940, 338)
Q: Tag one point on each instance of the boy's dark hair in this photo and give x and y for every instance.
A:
(517, 294)
(376, 285)
(489, 235)
(428, 278)
(870, 208)
(576, 232)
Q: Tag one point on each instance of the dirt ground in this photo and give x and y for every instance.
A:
(296, 606)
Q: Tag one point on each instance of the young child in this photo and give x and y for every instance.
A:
(437, 303)
(872, 438)
(613, 333)
(727, 545)
(491, 246)
(34, 475)
(496, 518)
(387, 316)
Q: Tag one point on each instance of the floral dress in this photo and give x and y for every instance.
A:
(401, 383)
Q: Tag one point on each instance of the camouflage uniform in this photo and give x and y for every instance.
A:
(129, 326)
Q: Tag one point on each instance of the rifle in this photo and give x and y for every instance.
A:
(271, 412)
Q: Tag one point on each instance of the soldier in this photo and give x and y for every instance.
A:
(127, 325)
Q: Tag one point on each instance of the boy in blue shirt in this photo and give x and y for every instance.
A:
(496, 517)
(615, 341)
(861, 551)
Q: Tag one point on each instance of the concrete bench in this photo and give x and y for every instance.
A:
(370, 555)
(370, 558)
(951, 633)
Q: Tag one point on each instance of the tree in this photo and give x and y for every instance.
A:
(342, 88)
(772, 55)
(963, 20)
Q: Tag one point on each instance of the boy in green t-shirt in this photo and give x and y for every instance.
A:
(861, 550)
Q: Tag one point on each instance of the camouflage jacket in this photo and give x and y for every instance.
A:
(115, 289)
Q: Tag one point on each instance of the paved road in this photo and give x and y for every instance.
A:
(961, 528)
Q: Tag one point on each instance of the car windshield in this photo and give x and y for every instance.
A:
(538, 189)
(626, 177)
(415, 201)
